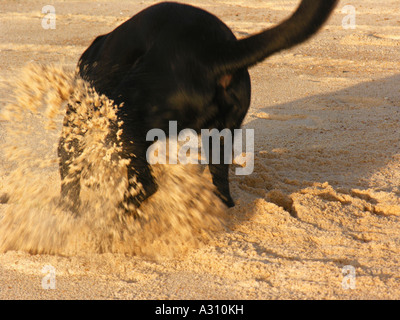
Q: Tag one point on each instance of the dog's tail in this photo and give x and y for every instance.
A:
(306, 20)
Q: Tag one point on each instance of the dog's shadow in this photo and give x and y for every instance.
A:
(349, 138)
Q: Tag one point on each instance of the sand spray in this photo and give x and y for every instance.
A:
(182, 214)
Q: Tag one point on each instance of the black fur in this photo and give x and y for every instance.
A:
(177, 62)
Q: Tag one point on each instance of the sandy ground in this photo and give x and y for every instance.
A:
(325, 192)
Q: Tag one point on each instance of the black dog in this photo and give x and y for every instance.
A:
(174, 62)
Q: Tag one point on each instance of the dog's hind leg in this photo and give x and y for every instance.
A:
(68, 152)
(70, 179)
(141, 183)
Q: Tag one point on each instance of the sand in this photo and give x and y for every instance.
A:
(324, 196)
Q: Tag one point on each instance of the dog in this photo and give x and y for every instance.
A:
(176, 62)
